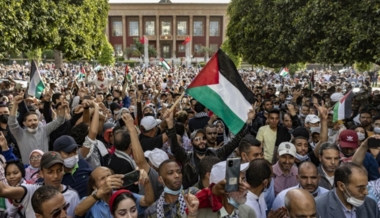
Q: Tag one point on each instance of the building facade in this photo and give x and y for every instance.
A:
(166, 25)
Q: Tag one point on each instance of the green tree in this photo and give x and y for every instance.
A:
(277, 33)
(227, 49)
(151, 50)
(34, 54)
(128, 52)
(73, 27)
(107, 54)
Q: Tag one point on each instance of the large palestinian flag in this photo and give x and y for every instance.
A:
(220, 88)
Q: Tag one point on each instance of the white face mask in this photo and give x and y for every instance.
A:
(30, 130)
(353, 201)
(71, 161)
(301, 157)
(361, 136)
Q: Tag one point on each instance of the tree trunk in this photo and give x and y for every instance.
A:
(57, 59)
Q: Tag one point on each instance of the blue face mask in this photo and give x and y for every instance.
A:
(171, 192)
(233, 202)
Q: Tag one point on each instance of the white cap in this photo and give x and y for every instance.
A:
(218, 171)
(148, 123)
(287, 148)
(336, 96)
(315, 130)
(156, 156)
(312, 118)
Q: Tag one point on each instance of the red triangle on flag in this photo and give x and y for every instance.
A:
(209, 75)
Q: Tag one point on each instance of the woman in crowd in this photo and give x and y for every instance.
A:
(123, 204)
(31, 172)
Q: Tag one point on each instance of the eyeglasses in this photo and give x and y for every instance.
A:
(197, 139)
(35, 157)
(57, 213)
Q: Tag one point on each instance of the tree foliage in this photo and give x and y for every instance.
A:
(277, 33)
(107, 54)
(227, 49)
(140, 47)
(74, 27)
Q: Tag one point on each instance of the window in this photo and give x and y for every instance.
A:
(182, 28)
(214, 28)
(214, 47)
(117, 28)
(197, 47)
(166, 28)
(198, 28)
(133, 28)
(181, 48)
(149, 28)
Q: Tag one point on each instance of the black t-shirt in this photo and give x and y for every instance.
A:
(150, 143)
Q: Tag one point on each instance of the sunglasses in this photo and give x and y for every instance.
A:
(197, 139)
(57, 213)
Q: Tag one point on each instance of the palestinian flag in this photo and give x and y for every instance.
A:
(36, 85)
(342, 109)
(220, 88)
(165, 64)
(82, 73)
(284, 72)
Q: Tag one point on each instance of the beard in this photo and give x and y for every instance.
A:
(199, 150)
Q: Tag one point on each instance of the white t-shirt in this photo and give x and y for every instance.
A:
(70, 195)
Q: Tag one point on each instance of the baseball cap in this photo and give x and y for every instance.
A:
(65, 143)
(218, 171)
(148, 122)
(195, 132)
(287, 148)
(348, 139)
(50, 158)
(312, 118)
(156, 156)
(315, 130)
(336, 96)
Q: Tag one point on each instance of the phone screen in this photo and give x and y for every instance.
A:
(140, 87)
(373, 143)
(131, 178)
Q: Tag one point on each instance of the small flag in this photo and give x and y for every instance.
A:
(127, 76)
(342, 109)
(36, 85)
(165, 64)
(284, 72)
(187, 40)
(82, 72)
(219, 87)
(143, 39)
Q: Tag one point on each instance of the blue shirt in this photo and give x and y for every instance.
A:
(126, 101)
(78, 178)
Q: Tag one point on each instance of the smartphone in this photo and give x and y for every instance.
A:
(298, 87)
(232, 174)
(131, 178)
(140, 87)
(373, 143)
(219, 139)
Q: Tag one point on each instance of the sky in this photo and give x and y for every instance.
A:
(173, 1)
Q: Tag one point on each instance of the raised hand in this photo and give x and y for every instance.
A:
(128, 120)
(18, 99)
(192, 203)
(323, 111)
(3, 142)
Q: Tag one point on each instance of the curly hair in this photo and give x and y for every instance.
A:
(79, 133)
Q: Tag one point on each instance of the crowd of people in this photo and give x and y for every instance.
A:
(67, 153)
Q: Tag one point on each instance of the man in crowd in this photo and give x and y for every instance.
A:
(284, 170)
(200, 120)
(300, 203)
(48, 202)
(77, 171)
(330, 160)
(349, 197)
(308, 179)
(34, 136)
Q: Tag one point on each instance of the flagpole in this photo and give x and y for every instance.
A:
(146, 54)
(176, 102)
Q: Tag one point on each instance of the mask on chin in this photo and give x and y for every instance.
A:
(31, 130)
(351, 200)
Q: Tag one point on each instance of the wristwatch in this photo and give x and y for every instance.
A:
(94, 195)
